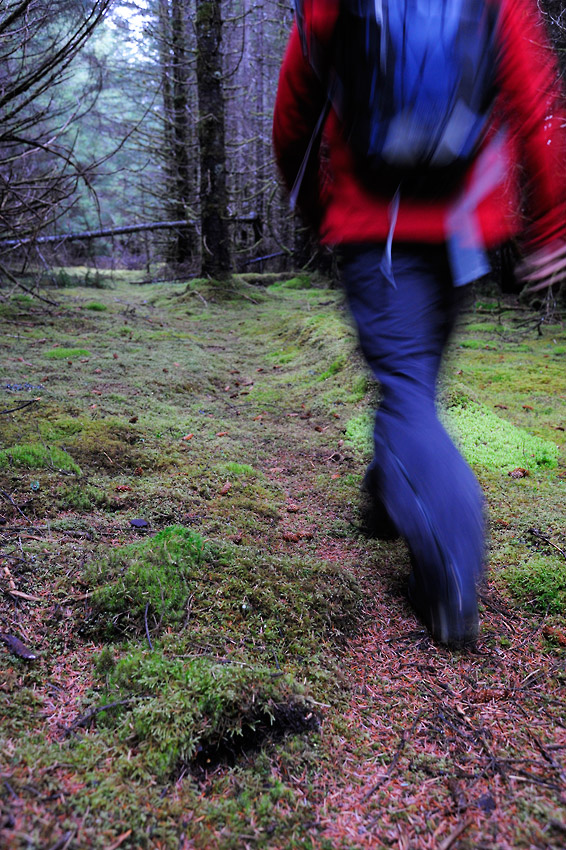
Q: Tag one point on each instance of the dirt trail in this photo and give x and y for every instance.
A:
(450, 749)
(456, 749)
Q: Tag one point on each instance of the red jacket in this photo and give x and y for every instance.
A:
(529, 105)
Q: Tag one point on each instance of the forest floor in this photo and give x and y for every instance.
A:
(198, 647)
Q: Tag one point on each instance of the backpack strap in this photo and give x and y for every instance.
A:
(310, 151)
(316, 24)
(464, 240)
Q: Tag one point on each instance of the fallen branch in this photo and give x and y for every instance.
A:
(20, 406)
(537, 533)
(392, 765)
(14, 280)
(21, 595)
(85, 719)
(455, 835)
(95, 234)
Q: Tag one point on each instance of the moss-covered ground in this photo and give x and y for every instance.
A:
(179, 487)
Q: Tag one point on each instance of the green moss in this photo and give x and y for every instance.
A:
(284, 356)
(96, 306)
(38, 456)
(484, 438)
(66, 353)
(60, 427)
(483, 327)
(539, 582)
(82, 498)
(487, 440)
(299, 282)
(153, 574)
(242, 470)
(290, 601)
(182, 708)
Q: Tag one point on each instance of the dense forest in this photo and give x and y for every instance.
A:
(148, 124)
(138, 135)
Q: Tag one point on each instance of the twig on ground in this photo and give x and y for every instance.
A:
(198, 294)
(20, 406)
(21, 595)
(392, 765)
(537, 533)
(9, 576)
(85, 719)
(19, 510)
(147, 627)
(455, 835)
(64, 841)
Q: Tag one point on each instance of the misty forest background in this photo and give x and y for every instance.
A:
(137, 135)
(151, 120)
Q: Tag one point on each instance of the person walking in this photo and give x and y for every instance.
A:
(407, 252)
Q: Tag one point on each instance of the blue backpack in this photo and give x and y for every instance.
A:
(413, 82)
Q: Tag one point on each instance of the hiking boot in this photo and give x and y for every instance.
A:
(453, 621)
(375, 522)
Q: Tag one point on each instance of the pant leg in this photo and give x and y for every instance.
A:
(427, 488)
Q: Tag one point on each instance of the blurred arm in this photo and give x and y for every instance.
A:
(536, 113)
(298, 105)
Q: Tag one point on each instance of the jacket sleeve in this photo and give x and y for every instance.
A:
(298, 105)
(536, 115)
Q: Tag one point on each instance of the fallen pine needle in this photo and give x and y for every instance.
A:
(119, 840)
(455, 835)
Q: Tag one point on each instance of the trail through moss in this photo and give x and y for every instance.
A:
(179, 523)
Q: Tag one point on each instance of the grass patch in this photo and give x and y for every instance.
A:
(335, 367)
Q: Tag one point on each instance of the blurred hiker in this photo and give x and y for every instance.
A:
(400, 129)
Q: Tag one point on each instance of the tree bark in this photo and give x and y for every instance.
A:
(216, 261)
(184, 244)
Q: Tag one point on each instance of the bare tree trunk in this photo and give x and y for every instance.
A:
(216, 262)
(184, 245)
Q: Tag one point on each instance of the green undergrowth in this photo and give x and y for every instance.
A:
(487, 440)
(192, 565)
(539, 581)
(276, 604)
(38, 456)
(240, 641)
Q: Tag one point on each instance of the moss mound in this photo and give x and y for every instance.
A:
(180, 711)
